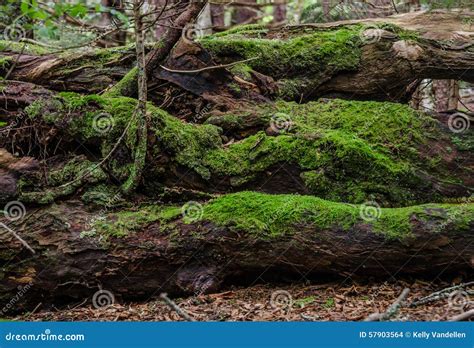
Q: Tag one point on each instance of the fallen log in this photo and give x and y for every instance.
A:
(331, 148)
(377, 59)
(240, 238)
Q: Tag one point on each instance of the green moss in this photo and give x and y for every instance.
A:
(403, 34)
(188, 143)
(3, 124)
(271, 216)
(275, 215)
(65, 181)
(312, 53)
(124, 222)
(27, 48)
(103, 195)
(35, 108)
(464, 143)
(123, 86)
(242, 70)
(5, 62)
(348, 151)
(247, 30)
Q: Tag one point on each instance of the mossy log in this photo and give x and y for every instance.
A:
(233, 239)
(244, 132)
(347, 151)
(377, 59)
(88, 71)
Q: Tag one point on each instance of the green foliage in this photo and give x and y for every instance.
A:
(47, 22)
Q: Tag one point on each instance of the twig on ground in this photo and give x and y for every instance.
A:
(438, 295)
(34, 310)
(392, 310)
(463, 316)
(175, 307)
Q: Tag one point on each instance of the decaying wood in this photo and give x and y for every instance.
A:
(390, 65)
(197, 257)
(71, 261)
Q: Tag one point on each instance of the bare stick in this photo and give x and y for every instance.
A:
(463, 316)
(22, 241)
(175, 307)
(207, 67)
(392, 310)
(441, 294)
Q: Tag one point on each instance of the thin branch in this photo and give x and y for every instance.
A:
(392, 310)
(21, 240)
(16, 62)
(463, 316)
(441, 294)
(222, 66)
(175, 307)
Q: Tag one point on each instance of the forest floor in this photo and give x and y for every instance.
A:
(326, 302)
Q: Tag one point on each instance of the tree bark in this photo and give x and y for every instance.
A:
(387, 67)
(120, 37)
(446, 95)
(279, 14)
(217, 15)
(244, 15)
(182, 256)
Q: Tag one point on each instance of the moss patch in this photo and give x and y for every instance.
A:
(27, 48)
(348, 151)
(271, 216)
(275, 215)
(122, 223)
(311, 53)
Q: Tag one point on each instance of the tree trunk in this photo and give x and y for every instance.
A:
(138, 254)
(379, 64)
(446, 95)
(279, 14)
(217, 15)
(120, 37)
(244, 15)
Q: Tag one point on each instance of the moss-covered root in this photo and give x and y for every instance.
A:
(62, 181)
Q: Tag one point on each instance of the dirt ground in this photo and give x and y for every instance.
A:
(324, 302)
